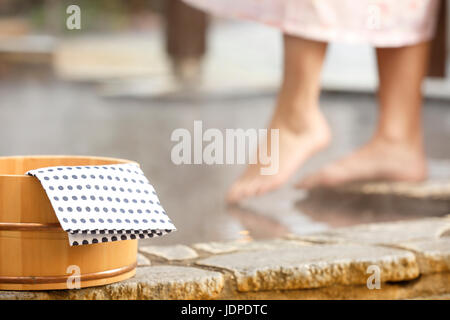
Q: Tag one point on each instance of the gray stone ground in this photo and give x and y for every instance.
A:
(43, 115)
(401, 260)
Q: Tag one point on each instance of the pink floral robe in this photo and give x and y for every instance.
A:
(381, 23)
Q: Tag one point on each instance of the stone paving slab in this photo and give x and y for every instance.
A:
(24, 295)
(391, 233)
(171, 253)
(432, 255)
(143, 261)
(432, 286)
(233, 246)
(170, 282)
(313, 266)
(150, 283)
(154, 283)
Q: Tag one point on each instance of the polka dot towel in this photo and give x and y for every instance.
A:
(104, 203)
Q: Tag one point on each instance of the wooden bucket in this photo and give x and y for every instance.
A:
(34, 250)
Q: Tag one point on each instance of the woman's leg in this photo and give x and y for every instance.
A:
(396, 150)
(302, 128)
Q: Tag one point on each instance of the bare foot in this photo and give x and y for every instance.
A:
(377, 160)
(302, 128)
(298, 141)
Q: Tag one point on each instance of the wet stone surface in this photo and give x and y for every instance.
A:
(314, 266)
(413, 265)
(389, 233)
(177, 252)
(432, 255)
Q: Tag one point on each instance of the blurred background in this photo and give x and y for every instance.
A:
(139, 69)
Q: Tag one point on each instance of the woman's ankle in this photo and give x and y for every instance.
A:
(412, 140)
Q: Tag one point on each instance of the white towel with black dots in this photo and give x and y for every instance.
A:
(104, 203)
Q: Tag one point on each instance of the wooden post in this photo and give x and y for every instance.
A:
(438, 54)
(186, 29)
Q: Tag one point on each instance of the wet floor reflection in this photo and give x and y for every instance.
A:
(48, 116)
(338, 209)
(300, 212)
(328, 208)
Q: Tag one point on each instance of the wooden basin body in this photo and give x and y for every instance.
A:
(34, 250)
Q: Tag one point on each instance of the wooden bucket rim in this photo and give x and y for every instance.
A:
(23, 176)
(31, 226)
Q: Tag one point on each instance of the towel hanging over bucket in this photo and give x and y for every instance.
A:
(104, 203)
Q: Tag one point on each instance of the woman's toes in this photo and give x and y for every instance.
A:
(310, 181)
(375, 161)
(268, 184)
(233, 192)
(243, 188)
(251, 188)
(326, 177)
